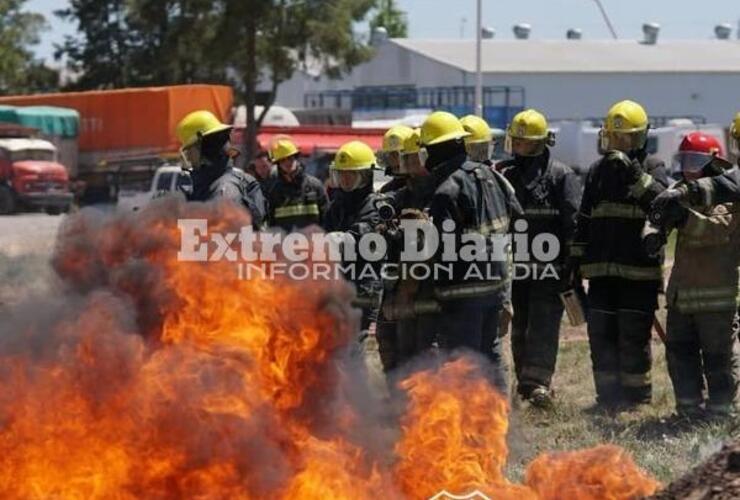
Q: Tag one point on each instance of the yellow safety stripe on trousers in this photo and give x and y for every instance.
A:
(636, 273)
(641, 186)
(577, 249)
(469, 290)
(688, 402)
(498, 225)
(722, 408)
(363, 302)
(542, 212)
(606, 377)
(708, 292)
(706, 305)
(635, 379)
(297, 210)
(607, 209)
(536, 373)
(723, 298)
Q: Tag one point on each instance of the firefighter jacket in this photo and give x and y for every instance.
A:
(480, 203)
(355, 213)
(608, 240)
(705, 270)
(550, 194)
(297, 203)
(718, 189)
(218, 180)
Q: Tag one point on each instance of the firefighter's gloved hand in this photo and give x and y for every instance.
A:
(667, 210)
(654, 242)
(633, 172)
(627, 170)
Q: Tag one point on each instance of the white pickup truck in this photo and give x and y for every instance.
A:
(168, 180)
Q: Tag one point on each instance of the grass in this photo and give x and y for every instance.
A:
(662, 448)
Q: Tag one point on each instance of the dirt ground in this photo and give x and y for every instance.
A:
(718, 479)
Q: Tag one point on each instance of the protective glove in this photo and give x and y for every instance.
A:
(667, 211)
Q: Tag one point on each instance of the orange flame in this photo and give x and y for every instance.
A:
(161, 379)
(454, 435)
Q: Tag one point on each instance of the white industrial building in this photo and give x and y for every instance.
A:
(569, 78)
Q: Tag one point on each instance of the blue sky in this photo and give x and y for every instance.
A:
(549, 18)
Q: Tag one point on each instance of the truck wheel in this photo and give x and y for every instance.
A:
(736, 324)
(7, 201)
(53, 210)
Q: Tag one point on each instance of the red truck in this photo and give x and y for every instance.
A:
(31, 177)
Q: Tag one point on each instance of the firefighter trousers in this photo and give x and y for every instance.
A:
(620, 321)
(701, 348)
(472, 323)
(535, 331)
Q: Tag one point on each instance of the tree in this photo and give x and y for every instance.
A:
(276, 37)
(241, 42)
(390, 17)
(19, 30)
(102, 53)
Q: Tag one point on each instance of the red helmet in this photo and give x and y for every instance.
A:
(697, 150)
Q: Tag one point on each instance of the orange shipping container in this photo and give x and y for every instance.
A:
(134, 119)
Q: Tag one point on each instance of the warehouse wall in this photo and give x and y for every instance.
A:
(559, 95)
(590, 95)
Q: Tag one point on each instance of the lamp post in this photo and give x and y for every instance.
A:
(478, 55)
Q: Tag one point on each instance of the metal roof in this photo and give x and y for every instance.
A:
(583, 56)
(21, 144)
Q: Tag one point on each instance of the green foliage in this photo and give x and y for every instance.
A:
(390, 17)
(19, 29)
(159, 42)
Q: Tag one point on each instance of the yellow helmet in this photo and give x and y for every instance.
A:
(198, 124)
(735, 127)
(282, 148)
(412, 143)
(626, 117)
(477, 128)
(441, 126)
(528, 124)
(394, 138)
(354, 155)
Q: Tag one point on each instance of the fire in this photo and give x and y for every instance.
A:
(454, 435)
(149, 377)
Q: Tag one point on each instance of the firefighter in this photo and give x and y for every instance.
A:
(549, 193)
(702, 294)
(623, 279)
(704, 192)
(390, 156)
(261, 167)
(479, 144)
(469, 203)
(296, 199)
(205, 152)
(353, 211)
(409, 315)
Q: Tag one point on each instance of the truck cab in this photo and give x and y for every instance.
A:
(31, 177)
(168, 180)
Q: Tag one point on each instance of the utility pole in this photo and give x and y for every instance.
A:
(478, 56)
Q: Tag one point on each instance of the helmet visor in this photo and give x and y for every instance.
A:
(389, 160)
(480, 151)
(412, 164)
(524, 147)
(690, 162)
(190, 156)
(350, 180)
(622, 141)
